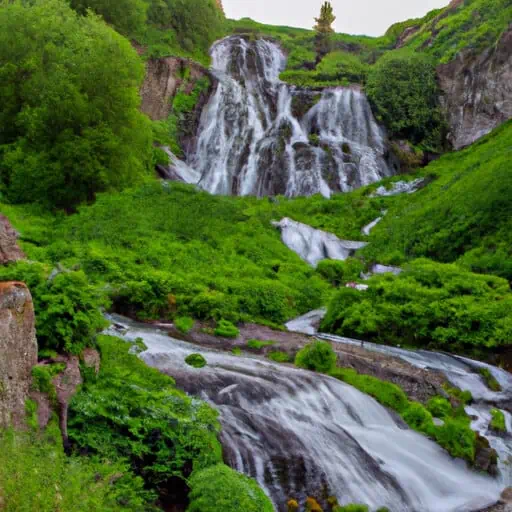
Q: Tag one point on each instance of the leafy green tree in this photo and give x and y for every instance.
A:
(127, 16)
(403, 90)
(69, 106)
(323, 29)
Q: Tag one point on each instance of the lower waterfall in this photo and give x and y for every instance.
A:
(304, 434)
(260, 136)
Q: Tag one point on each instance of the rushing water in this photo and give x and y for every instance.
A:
(255, 138)
(300, 433)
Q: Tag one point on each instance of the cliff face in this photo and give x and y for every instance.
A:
(18, 351)
(9, 250)
(477, 91)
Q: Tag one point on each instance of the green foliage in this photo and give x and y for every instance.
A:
(473, 25)
(236, 351)
(465, 397)
(184, 324)
(351, 508)
(490, 380)
(403, 90)
(464, 215)
(429, 305)
(196, 361)
(498, 421)
(326, 19)
(340, 272)
(455, 435)
(226, 329)
(133, 413)
(279, 357)
(439, 407)
(66, 306)
(71, 125)
(35, 474)
(258, 344)
(42, 376)
(221, 488)
(318, 356)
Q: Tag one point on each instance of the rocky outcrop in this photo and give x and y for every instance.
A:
(18, 351)
(477, 91)
(164, 78)
(9, 250)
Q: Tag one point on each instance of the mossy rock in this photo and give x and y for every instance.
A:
(196, 361)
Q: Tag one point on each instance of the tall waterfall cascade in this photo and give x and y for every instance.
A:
(260, 136)
(303, 434)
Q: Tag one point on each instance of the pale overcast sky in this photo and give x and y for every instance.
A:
(370, 17)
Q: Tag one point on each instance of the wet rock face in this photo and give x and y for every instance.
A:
(9, 250)
(18, 351)
(477, 91)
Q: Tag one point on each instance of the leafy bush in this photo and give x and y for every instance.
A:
(35, 474)
(196, 360)
(318, 356)
(42, 376)
(403, 90)
(498, 421)
(133, 413)
(418, 418)
(340, 272)
(428, 305)
(221, 488)
(457, 438)
(226, 329)
(66, 306)
(184, 324)
(73, 127)
(465, 397)
(258, 344)
(279, 357)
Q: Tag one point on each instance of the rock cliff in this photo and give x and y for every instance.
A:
(477, 91)
(18, 351)
(9, 250)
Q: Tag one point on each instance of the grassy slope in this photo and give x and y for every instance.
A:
(464, 215)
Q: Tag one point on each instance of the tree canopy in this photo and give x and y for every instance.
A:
(70, 124)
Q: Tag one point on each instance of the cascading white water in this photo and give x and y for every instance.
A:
(300, 434)
(253, 139)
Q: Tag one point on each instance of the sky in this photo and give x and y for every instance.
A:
(369, 17)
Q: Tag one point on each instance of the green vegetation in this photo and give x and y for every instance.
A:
(464, 397)
(196, 360)
(430, 305)
(439, 407)
(66, 306)
(473, 25)
(134, 414)
(43, 375)
(226, 329)
(318, 356)
(184, 324)
(35, 474)
(490, 380)
(340, 272)
(455, 436)
(403, 90)
(279, 357)
(71, 125)
(351, 508)
(221, 488)
(323, 29)
(498, 421)
(258, 344)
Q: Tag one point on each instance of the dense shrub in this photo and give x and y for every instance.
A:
(35, 474)
(498, 421)
(42, 376)
(221, 488)
(418, 418)
(71, 126)
(340, 272)
(196, 360)
(439, 407)
(403, 90)
(428, 305)
(66, 306)
(318, 356)
(134, 413)
(457, 438)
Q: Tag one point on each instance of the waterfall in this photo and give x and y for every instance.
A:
(260, 136)
(304, 434)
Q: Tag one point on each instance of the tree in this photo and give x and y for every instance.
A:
(70, 124)
(324, 29)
